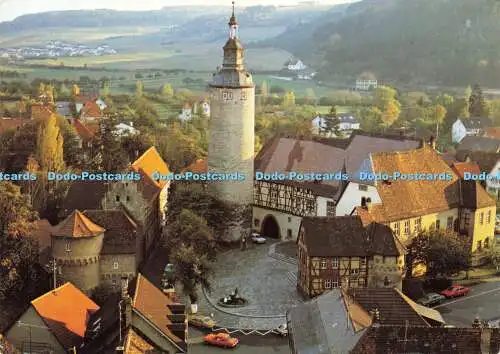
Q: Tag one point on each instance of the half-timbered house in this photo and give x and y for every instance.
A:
(342, 252)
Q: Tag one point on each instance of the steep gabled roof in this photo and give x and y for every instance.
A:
(137, 344)
(91, 109)
(77, 225)
(151, 162)
(461, 167)
(65, 311)
(120, 234)
(152, 303)
(84, 195)
(346, 236)
(83, 131)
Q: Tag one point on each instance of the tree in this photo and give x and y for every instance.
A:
(438, 113)
(191, 229)
(75, 90)
(192, 271)
(310, 96)
(71, 148)
(264, 90)
(391, 113)
(139, 89)
(195, 198)
(167, 90)
(105, 88)
(114, 159)
(332, 122)
(289, 99)
(18, 253)
(494, 256)
(444, 254)
(50, 146)
(477, 104)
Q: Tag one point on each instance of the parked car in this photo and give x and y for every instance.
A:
(257, 238)
(221, 339)
(201, 321)
(282, 330)
(431, 299)
(455, 290)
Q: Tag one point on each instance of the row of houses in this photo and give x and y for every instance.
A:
(140, 318)
(56, 49)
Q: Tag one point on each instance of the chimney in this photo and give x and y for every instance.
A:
(368, 204)
(486, 340)
(432, 143)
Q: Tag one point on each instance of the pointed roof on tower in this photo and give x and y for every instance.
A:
(77, 225)
(232, 20)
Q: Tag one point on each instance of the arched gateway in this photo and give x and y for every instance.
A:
(270, 227)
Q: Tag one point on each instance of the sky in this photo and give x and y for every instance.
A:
(10, 9)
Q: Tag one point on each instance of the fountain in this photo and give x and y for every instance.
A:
(233, 300)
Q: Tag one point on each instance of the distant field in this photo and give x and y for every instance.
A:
(299, 87)
(340, 109)
(80, 35)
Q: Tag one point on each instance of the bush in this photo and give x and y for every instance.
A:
(437, 284)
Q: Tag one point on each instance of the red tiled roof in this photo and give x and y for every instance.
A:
(91, 109)
(199, 166)
(77, 225)
(461, 167)
(83, 131)
(152, 303)
(41, 111)
(493, 132)
(11, 124)
(65, 311)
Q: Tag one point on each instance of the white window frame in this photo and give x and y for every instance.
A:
(115, 265)
(328, 284)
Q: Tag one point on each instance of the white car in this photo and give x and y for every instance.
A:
(256, 238)
(282, 330)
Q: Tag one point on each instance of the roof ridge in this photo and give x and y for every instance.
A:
(50, 292)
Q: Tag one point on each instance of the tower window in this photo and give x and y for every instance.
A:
(117, 198)
(256, 222)
(128, 198)
(289, 233)
(115, 265)
(362, 187)
(68, 246)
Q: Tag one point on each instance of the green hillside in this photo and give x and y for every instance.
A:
(442, 42)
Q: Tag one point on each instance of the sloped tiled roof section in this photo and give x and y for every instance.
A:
(151, 162)
(84, 195)
(479, 143)
(493, 132)
(401, 339)
(91, 109)
(461, 168)
(485, 160)
(120, 234)
(65, 311)
(41, 111)
(346, 236)
(408, 198)
(136, 344)
(393, 308)
(476, 122)
(77, 225)
(153, 304)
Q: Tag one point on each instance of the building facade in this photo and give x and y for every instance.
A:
(232, 121)
(341, 252)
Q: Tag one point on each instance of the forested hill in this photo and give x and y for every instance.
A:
(446, 42)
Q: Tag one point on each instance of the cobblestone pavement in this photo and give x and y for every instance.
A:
(264, 274)
(265, 277)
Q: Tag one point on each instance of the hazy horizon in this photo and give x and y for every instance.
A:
(10, 9)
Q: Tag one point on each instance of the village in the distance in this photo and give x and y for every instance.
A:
(364, 216)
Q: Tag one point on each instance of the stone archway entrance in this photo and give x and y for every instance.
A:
(270, 227)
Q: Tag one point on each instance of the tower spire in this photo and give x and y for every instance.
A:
(233, 25)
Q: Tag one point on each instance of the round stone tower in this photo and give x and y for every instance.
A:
(76, 246)
(232, 121)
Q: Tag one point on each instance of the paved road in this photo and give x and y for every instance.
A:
(271, 344)
(483, 302)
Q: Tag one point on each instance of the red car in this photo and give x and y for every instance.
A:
(455, 290)
(221, 340)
